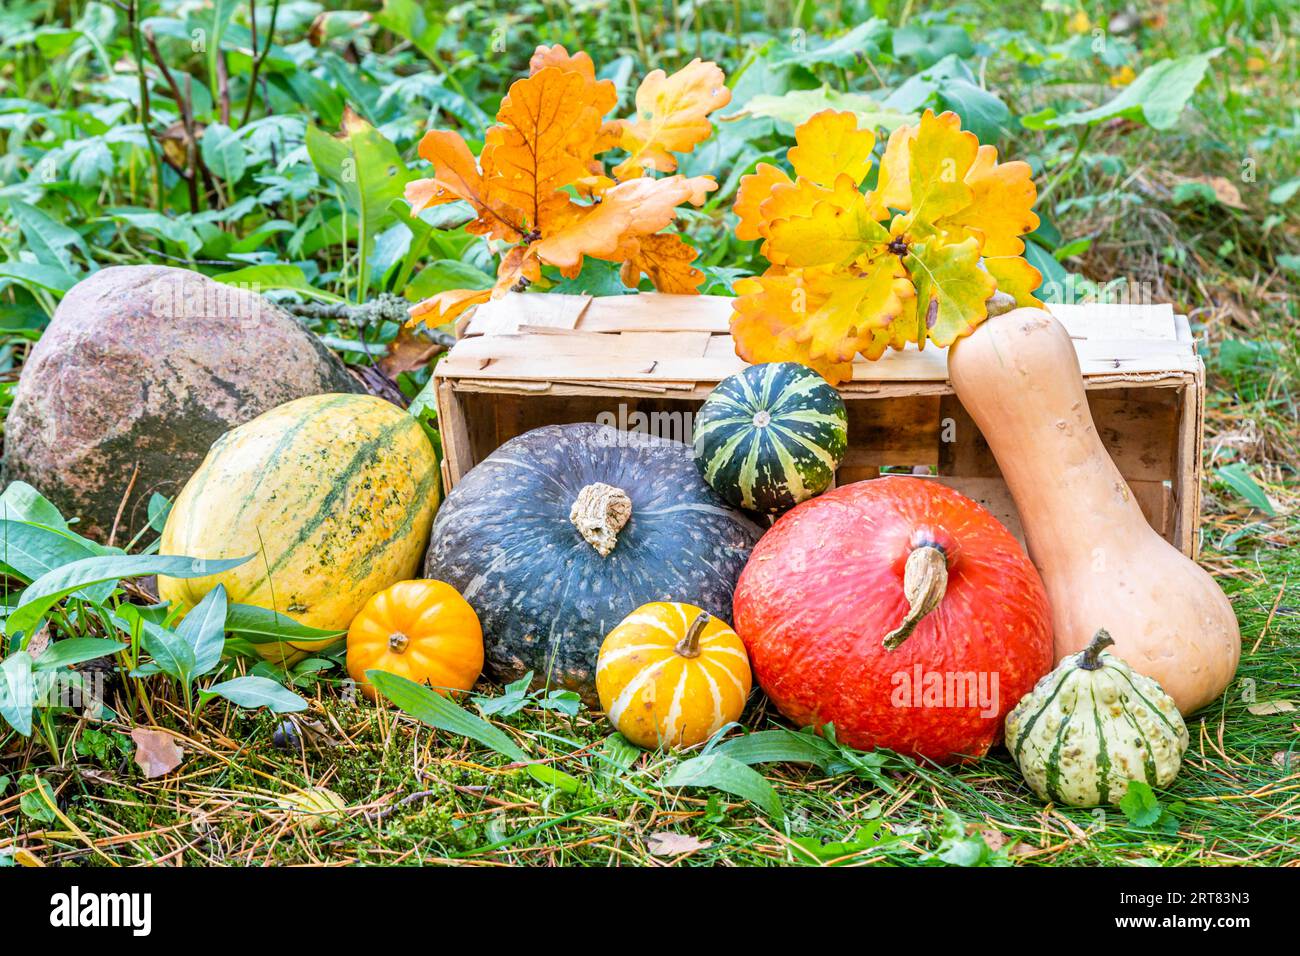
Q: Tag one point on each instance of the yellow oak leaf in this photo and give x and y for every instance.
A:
(854, 307)
(1001, 208)
(897, 333)
(952, 291)
(755, 189)
(631, 209)
(940, 156)
(1016, 277)
(838, 230)
(768, 314)
(667, 260)
(893, 181)
(830, 145)
(820, 317)
(672, 116)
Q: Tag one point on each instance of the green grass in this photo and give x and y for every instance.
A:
(414, 795)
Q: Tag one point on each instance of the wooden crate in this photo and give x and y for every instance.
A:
(529, 360)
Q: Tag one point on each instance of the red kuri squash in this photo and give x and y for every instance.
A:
(901, 612)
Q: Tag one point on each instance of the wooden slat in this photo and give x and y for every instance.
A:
(454, 429)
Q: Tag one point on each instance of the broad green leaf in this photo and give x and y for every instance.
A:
(369, 174)
(251, 692)
(552, 777)
(1157, 96)
(779, 746)
(260, 625)
(951, 289)
(1237, 477)
(47, 239)
(170, 228)
(443, 274)
(17, 692)
(441, 713)
(30, 551)
(21, 502)
(49, 589)
(862, 41)
(204, 630)
(276, 276)
(720, 772)
(223, 152)
(169, 651)
(407, 19)
(798, 106)
(77, 650)
(35, 275)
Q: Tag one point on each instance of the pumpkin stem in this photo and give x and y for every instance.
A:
(1090, 659)
(689, 646)
(398, 642)
(599, 513)
(925, 578)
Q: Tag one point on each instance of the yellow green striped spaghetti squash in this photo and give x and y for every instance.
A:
(333, 495)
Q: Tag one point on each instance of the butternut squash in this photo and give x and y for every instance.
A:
(1102, 564)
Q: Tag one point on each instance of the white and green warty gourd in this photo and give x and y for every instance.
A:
(1093, 725)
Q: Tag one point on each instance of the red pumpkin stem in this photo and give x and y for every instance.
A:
(925, 579)
(689, 646)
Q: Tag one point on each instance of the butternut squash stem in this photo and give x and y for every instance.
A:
(689, 646)
(925, 579)
(1090, 659)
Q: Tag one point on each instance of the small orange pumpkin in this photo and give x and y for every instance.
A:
(422, 630)
(671, 675)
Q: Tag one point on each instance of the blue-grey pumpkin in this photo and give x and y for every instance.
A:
(562, 532)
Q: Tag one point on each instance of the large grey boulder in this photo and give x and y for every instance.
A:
(140, 370)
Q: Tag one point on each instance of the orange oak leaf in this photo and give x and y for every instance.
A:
(631, 209)
(830, 145)
(544, 141)
(558, 56)
(672, 116)
(1001, 208)
(755, 189)
(667, 260)
(456, 176)
(447, 306)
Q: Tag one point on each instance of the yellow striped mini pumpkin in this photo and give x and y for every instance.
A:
(671, 674)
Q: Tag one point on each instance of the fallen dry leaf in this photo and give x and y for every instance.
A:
(994, 839)
(671, 844)
(1224, 189)
(411, 350)
(156, 752)
(1267, 707)
(314, 807)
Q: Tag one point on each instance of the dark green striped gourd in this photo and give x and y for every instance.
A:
(771, 436)
(1093, 725)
